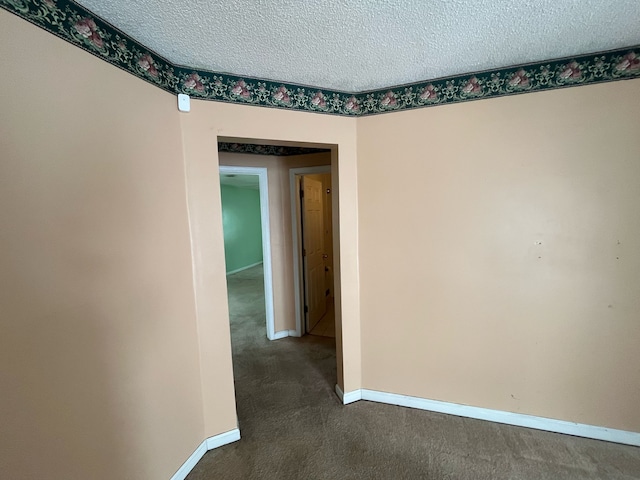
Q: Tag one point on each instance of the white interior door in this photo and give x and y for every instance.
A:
(313, 251)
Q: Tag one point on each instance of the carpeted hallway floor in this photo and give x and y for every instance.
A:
(294, 427)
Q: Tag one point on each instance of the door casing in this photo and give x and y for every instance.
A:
(263, 180)
(297, 244)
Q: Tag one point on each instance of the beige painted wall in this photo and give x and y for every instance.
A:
(280, 220)
(115, 331)
(100, 374)
(201, 128)
(500, 250)
(500, 235)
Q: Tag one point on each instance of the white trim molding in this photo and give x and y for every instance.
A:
(281, 334)
(349, 397)
(297, 248)
(285, 334)
(238, 270)
(263, 180)
(208, 444)
(223, 439)
(499, 416)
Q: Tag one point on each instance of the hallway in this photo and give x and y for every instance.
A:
(294, 427)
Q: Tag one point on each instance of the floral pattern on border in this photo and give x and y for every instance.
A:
(77, 25)
(267, 149)
(585, 69)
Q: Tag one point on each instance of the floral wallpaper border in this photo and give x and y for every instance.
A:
(77, 25)
(256, 149)
(533, 77)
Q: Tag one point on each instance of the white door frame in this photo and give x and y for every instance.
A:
(266, 239)
(297, 249)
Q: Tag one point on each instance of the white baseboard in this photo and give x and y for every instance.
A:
(499, 416)
(208, 444)
(223, 439)
(244, 268)
(187, 466)
(284, 334)
(348, 397)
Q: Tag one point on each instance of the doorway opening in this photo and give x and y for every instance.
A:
(260, 364)
(311, 214)
(299, 289)
(247, 233)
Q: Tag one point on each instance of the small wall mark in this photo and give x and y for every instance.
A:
(537, 243)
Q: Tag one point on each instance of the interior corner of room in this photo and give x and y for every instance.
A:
(468, 283)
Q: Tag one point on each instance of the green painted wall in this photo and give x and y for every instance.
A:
(242, 229)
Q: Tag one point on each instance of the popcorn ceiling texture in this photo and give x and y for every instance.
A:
(356, 45)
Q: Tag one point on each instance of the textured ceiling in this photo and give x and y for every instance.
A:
(357, 45)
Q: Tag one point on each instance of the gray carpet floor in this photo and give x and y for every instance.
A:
(294, 427)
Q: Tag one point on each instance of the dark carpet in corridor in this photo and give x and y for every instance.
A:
(294, 427)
